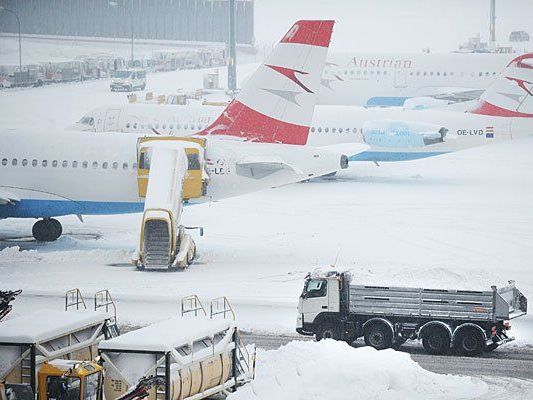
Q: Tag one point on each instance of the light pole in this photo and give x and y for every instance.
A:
(2, 8)
(116, 4)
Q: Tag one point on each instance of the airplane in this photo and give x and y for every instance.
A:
(392, 133)
(256, 143)
(390, 79)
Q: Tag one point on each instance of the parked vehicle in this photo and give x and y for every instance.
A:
(332, 306)
(128, 80)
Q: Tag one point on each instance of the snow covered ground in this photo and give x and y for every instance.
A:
(334, 370)
(460, 220)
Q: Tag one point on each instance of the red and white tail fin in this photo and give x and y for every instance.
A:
(277, 103)
(511, 95)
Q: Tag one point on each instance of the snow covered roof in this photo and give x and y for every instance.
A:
(46, 324)
(167, 335)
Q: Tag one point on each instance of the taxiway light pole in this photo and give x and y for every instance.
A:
(2, 8)
(232, 53)
(130, 12)
(492, 25)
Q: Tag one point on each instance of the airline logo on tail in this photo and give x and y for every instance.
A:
(277, 103)
(511, 95)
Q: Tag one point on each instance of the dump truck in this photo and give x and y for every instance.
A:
(333, 305)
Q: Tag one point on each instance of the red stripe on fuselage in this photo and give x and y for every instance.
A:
(314, 33)
(241, 121)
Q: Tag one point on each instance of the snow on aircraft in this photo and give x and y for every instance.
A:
(392, 133)
(256, 143)
(390, 79)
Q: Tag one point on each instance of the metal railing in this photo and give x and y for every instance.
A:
(192, 304)
(102, 299)
(221, 305)
(73, 298)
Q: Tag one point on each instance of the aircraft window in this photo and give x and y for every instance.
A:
(417, 73)
(351, 72)
(425, 73)
(135, 125)
(354, 130)
(444, 74)
(384, 72)
(164, 126)
(326, 130)
(14, 162)
(487, 73)
(333, 130)
(358, 72)
(481, 73)
(95, 164)
(431, 73)
(114, 165)
(44, 163)
(438, 73)
(64, 164)
(4, 161)
(125, 165)
(87, 121)
(319, 130)
(142, 126)
(34, 163)
(199, 127)
(74, 164)
(171, 126)
(178, 126)
(411, 73)
(128, 125)
(104, 165)
(494, 73)
(451, 73)
(54, 163)
(312, 130)
(340, 130)
(24, 162)
(371, 72)
(84, 164)
(364, 72)
(157, 125)
(345, 72)
(186, 126)
(134, 166)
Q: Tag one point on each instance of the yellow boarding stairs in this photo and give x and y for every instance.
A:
(170, 170)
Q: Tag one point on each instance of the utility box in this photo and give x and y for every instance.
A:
(211, 80)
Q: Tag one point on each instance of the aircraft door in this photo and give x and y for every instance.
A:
(400, 77)
(111, 120)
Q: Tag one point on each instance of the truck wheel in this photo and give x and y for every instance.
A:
(378, 336)
(327, 331)
(436, 341)
(470, 342)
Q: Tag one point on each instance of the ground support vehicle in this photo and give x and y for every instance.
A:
(49, 352)
(178, 358)
(332, 306)
(128, 80)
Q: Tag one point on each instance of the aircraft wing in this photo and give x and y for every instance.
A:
(259, 167)
(7, 198)
(459, 95)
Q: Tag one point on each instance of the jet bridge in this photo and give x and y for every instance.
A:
(171, 170)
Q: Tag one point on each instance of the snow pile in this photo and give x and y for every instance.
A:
(11, 254)
(334, 370)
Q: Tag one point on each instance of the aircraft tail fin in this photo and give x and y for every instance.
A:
(511, 94)
(277, 103)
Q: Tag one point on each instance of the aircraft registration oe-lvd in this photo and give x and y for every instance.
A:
(503, 112)
(256, 143)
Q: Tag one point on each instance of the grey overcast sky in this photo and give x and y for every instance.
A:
(395, 25)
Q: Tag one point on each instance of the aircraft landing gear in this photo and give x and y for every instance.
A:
(47, 230)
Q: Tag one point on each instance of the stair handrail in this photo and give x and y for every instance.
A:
(214, 307)
(76, 299)
(103, 298)
(195, 305)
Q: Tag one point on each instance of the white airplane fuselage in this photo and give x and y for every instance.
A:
(331, 125)
(389, 79)
(72, 172)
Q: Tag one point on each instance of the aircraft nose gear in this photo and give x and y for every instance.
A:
(47, 230)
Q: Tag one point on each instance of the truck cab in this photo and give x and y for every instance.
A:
(320, 296)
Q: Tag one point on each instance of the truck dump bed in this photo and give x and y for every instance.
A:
(493, 305)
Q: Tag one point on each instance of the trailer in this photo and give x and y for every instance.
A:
(471, 321)
(178, 358)
(55, 348)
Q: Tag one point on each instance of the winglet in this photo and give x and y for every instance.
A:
(277, 103)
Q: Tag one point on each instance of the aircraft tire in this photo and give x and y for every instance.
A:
(47, 230)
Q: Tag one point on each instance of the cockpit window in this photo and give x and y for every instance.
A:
(87, 121)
